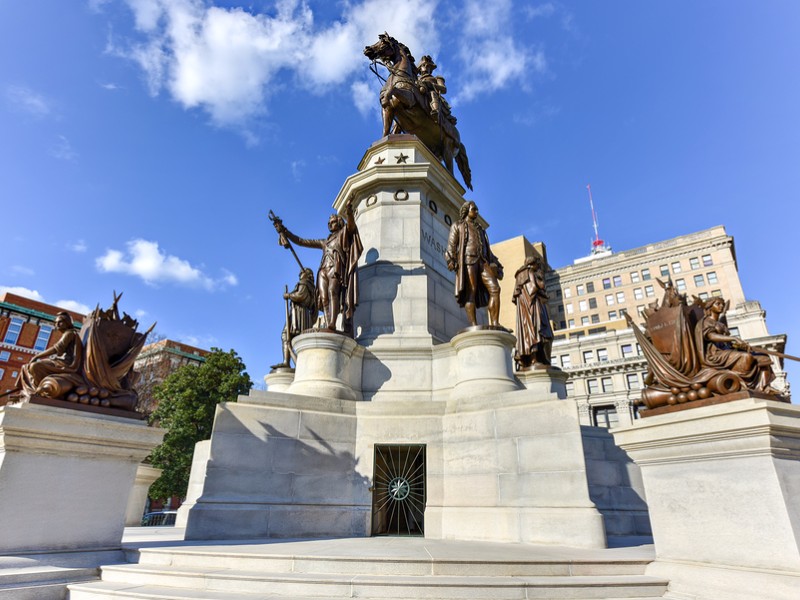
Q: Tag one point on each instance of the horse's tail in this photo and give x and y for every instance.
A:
(463, 165)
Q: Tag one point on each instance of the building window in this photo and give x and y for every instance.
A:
(567, 293)
(605, 416)
(640, 310)
(566, 362)
(14, 374)
(638, 294)
(582, 305)
(703, 295)
(606, 283)
(593, 386)
(42, 338)
(645, 274)
(5, 355)
(608, 384)
(570, 388)
(638, 350)
(590, 287)
(592, 302)
(699, 281)
(584, 320)
(563, 325)
(612, 314)
(649, 291)
(676, 267)
(595, 318)
(707, 262)
(610, 299)
(617, 280)
(602, 354)
(571, 323)
(588, 356)
(561, 308)
(712, 277)
(694, 263)
(680, 285)
(623, 312)
(627, 350)
(569, 309)
(559, 293)
(633, 382)
(580, 290)
(2, 373)
(664, 270)
(634, 277)
(14, 329)
(734, 331)
(716, 292)
(620, 297)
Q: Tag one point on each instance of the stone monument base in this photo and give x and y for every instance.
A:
(65, 479)
(722, 484)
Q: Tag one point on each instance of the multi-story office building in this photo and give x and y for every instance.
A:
(158, 360)
(26, 328)
(589, 298)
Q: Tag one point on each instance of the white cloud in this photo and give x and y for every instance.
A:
(146, 260)
(204, 342)
(365, 98)
(140, 313)
(494, 59)
(297, 167)
(110, 86)
(21, 291)
(62, 149)
(227, 61)
(74, 306)
(24, 99)
(542, 10)
(22, 270)
(79, 246)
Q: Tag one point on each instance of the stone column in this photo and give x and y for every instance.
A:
(484, 366)
(145, 477)
(723, 489)
(65, 477)
(328, 366)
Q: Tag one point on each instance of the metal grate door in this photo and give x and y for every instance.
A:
(398, 492)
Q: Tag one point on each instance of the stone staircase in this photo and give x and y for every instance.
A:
(375, 568)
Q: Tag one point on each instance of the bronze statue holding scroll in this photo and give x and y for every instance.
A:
(534, 332)
(301, 315)
(477, 268)
(411, 101)
(337, 277)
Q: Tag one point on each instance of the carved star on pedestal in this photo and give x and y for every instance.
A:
(401, 158)
(379, 160)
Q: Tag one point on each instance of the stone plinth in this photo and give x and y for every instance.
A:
(65, 477)
(328, 365)
(722, 486)
(145, 477)
(483, 363)
(279, 380)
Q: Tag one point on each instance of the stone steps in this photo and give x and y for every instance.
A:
(374, 569)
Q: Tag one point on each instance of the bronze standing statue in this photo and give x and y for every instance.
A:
(94, 367)
(534, 332)
(411, 101)
(301, 315)
(477, 268)
(337, 277)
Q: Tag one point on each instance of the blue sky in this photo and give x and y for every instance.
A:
(143, 142)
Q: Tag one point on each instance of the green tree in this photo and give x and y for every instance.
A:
(187, 401)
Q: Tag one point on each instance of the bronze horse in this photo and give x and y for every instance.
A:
(405, 108)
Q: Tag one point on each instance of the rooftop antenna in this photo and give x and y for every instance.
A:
(598, 245)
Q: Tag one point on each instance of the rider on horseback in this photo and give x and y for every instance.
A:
(434, 87)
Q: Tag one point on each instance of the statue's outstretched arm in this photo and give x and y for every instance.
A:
(302, 241)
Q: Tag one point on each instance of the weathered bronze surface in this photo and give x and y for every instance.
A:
(337, 277)
(301, 315)
(477, 268)
(692, 356)
(412, 101)
(93, 368)
(534, 332)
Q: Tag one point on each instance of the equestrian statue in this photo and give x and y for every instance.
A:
(412, 102)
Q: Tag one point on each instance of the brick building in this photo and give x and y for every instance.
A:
(26, 328)
(156, 362)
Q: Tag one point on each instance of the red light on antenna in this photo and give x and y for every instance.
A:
(597, 242)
